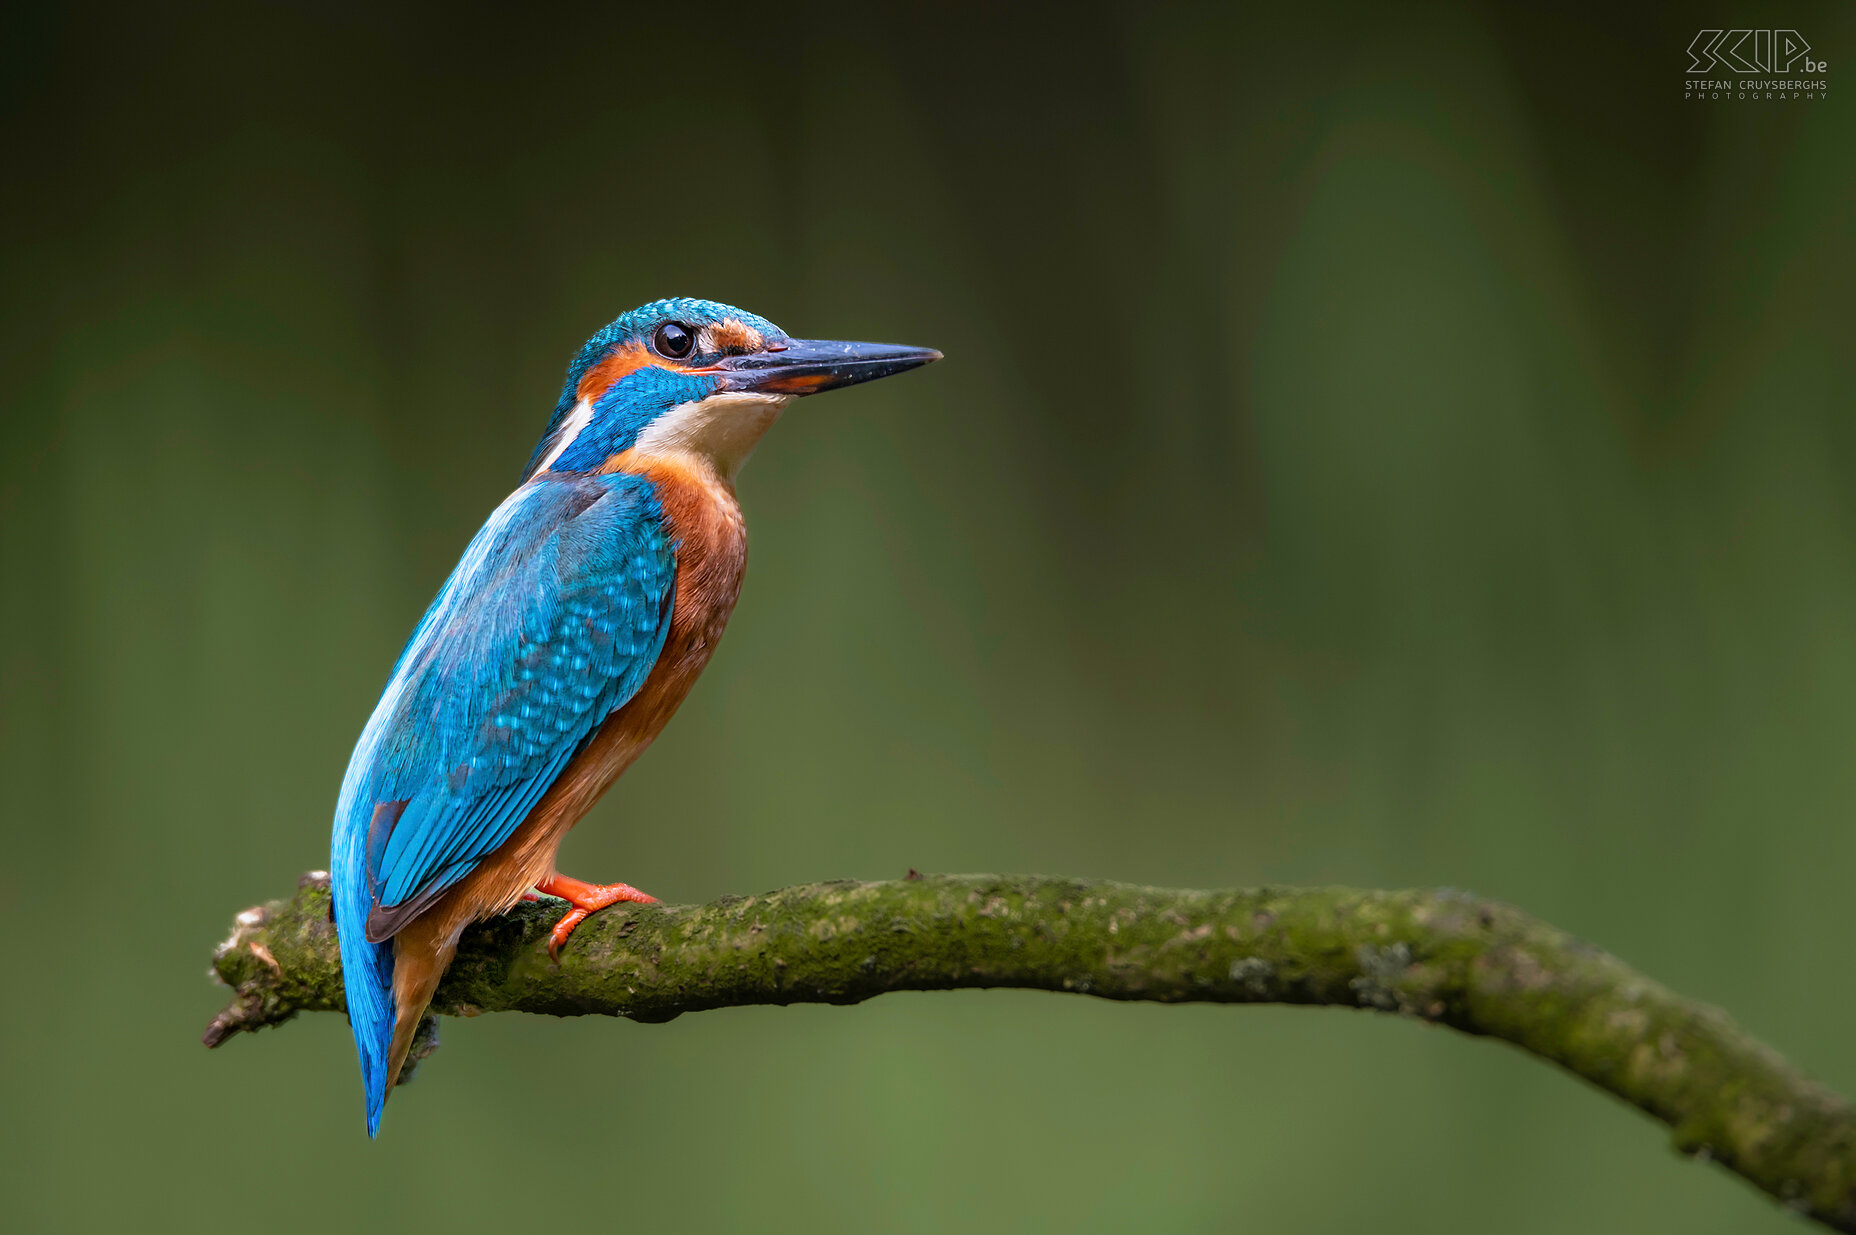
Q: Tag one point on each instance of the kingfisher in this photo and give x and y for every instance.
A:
(572, 628)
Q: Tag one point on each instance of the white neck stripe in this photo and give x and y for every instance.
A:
(577, 420)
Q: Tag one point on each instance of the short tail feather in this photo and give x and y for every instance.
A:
(367, 977)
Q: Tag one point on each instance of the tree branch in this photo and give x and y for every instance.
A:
(1439, 956)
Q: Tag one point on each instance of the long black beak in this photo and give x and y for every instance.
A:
(807, 366)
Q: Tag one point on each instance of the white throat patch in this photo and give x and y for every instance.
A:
(723, 428)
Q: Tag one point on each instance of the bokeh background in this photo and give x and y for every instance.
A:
(1375, 446)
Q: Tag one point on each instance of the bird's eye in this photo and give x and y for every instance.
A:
(673, 339)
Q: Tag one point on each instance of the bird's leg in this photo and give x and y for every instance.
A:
(585, 898)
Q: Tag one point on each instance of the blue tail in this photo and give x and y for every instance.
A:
(367, 968)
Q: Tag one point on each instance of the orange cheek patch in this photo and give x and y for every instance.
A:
(733, 336)
(621, 362)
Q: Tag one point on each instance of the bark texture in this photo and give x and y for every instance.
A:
(1436, 955)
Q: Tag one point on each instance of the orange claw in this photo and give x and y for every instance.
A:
(585, 898)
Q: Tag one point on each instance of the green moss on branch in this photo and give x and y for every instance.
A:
(1441, 956)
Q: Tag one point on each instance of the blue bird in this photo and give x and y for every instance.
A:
(575, 623)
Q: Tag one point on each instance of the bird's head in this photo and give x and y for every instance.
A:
(695, 380)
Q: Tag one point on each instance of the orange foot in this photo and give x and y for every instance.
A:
(585, 898)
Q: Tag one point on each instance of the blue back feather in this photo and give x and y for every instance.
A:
(552, 619)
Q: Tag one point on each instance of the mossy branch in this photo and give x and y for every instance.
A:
(1439, 956)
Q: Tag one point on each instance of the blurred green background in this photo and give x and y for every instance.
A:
(1381, 448)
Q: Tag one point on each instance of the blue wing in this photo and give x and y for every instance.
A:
(552, 619)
